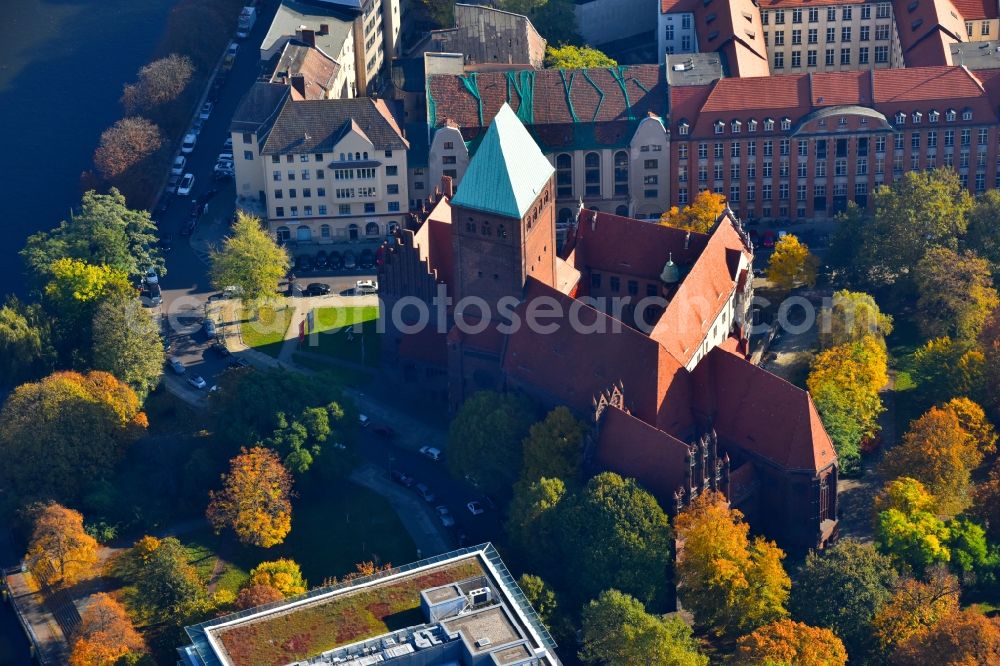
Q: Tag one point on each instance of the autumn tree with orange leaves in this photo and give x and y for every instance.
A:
(255, 501)
(916, 606)
(700, 215)
(791, 643)
(106, 634)
(257, 595)
(125, 144)
(965, 638)
(732, 585)
(60, 553)
(284, 575)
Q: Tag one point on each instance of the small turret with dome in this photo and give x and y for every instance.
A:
(671, 274)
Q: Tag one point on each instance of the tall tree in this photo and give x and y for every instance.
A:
(532, 519)
(255, 500)
(700, 215)
(257, 595)
(282, 574)
(844, 382)
(484, 439)
(792, 264)
(66, 431)
(125, 144)
(618, 631)
(939, 453)
(986, 502)
(251, 261)
(303, 438)
(907, 529)
(77, 287)
(914, 607)
(732, 584)
(956, 293)
(567, 56)
(989, 344)
(972, 418)
(164, 580)
(791, 643)
(842, 589)
(106, 635)
(554, 447)
(960, 639)
(983, 233)
(126, 343)
(944, 368)
(103, 231)
(60, 552)
(920, 210)
(636, 539)
(540, 596)
(852, 316)
(25, 343)
(159, 82)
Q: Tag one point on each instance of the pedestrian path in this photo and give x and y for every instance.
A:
(53, 648)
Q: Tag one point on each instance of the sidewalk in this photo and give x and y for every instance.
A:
(29, 602)
(417, 517)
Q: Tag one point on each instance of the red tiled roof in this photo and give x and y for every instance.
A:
(762, 413)
(635, 449)
(433, 239)
(670, 6)
(780, 4)
(977, 10)
(926, 29)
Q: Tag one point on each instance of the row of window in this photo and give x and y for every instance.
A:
(318, 157)
(864, 57)
(592, 174)
(984, 28)
(304, 233)
(882, 10)
(916, 117)
(366, 173)
(812, 35)
(342, 209)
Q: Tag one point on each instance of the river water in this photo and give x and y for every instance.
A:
(62, 67)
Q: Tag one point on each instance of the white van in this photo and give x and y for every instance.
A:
(366, 287)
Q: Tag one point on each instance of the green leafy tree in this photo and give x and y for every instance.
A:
(103, 231)
(842, 589)
(126, 343)
(25, 343)
(956, 293)
(844, 382)
(920, 210)
(636, 540)
(568, 56)
(555, 20)
(732, 584)
(66, 431)
(251, 261)
(165, 582)
(906, 527)
(302, 439)
(540, 596)
(944, 368)
(618, 631)
(484, 439)
(970, 551)
(554, 447)
(532, 519)
(983, 234)
(851, 316)
(851, 256)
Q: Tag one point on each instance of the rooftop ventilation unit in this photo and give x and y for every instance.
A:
(480, 596)
(483, 642)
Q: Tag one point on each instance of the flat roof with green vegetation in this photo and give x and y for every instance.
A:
(285, 635)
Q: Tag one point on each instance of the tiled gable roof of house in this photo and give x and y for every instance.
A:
(318, 70)
(977, 10)
(926, 29)
(259, 107)
(315, 126)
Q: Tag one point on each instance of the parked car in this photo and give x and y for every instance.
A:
(475, 508)
(197, 382)
(175, 180)
(767, 238)
(206, 110)
(177, 366)
(431, 452)
(197, 125)
(151, 277)
(362, 287)
(364, 421)
(184, 189)
(425, 492)
(188, 143)
(188, 228)
(321, 259)
(366, 259)
(227, 147)
(237, 362)
(210, 329)
(221, 349)
(224, 156)
(446, 518)
(178, 167)
(335, 261)
(166, 242)
(223, 170)
(233, 48)
(151, 296)
(402, 479)
(317, 289)
(350, 261)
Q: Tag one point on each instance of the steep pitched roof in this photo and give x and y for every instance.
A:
(926, 29)
(508, 171)
(433, 239)
(295, 14)
(317, 69)
(315, 126)
(259, 107)
(977, 10)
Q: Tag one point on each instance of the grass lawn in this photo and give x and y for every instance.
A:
(267, 332)
(336, 374)
(331, 531)
(335, 335)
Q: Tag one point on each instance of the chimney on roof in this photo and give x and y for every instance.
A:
(307, 36)
(324, 29)
(447, 186)
(298, 81)
(687, 240)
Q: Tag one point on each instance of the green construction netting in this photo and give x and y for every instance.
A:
(618, 74)
(523, 83)
(568, 89)
(431, 105)
(600, 92)
(471, 83)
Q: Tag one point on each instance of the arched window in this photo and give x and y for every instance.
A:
(486, 231)
(283, 233)
(501, 231)
(342, 157)
(592, 175)
(352, 231)
(324, 230)
(371, 229)
(303, 233)
(366, 154)
(621, 173)
(357, 156)
(564, 175)
(622, 210)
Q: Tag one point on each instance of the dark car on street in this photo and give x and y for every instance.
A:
(335, 261)
(402, 479)
(367, 259)
(166, 242)
(317, 289)
(350, 261)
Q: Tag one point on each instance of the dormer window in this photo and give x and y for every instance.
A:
(933, 116)
(900, 118)
(736, 124)
(916, 116)
(842, 121)
(768, 124)
(786, 124)
(752, 125)
(950, 115)
(684, 128)
(719, 126)
(967, 114)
